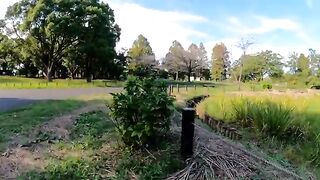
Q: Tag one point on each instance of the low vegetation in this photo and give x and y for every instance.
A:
(94, 153)
(9, 82)
(142, 113)
(292, 121)
(24, 119)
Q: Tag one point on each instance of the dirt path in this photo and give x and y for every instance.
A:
(27, 153)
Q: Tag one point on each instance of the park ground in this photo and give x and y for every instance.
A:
(74, 135)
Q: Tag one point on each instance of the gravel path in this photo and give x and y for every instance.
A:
(10, 99)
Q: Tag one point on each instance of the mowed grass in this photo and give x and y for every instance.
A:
(11, 82)
(22, 120)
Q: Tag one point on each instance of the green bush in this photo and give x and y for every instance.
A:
(267, 86)
(142, 113)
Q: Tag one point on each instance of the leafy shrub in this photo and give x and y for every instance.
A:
(267, 86)
(142, 112)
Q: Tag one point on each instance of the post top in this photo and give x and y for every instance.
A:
(188, 109)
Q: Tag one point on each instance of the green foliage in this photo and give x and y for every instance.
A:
(77, 32)
(157, 166)
(220, 62)
(71, 168)
(142, 112)
(267, 85)
(89, 129)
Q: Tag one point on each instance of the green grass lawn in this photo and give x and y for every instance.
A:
(9, 82)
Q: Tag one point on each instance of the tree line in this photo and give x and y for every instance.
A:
(77, 39)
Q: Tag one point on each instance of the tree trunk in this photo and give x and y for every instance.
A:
(88, 71)
(49, 74)
(177, 76)
(189, 76)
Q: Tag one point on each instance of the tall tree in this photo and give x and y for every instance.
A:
(244, 45)
(314, 62)
(141, 55)
(303, 66)
(292, 64)
(272, 65)
(220, 62)
(98, 36)
(8, 54)
(188, 61)
(50, 27)
(202, 72)
(174, 58)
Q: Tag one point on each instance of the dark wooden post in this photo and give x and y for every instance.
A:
(178, 87)
(187, 133)
(195, 87)
(186, 87)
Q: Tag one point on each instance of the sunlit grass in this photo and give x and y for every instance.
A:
(10, 82)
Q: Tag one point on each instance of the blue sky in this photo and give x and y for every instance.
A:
(283, 26)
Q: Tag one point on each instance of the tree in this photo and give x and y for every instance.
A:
(173, 59)
(202, 72)
(243, 44)
(293, 62)
(8, 54)
(272, 65)
(303, 66)
(314, 58)
(51, 27)
(220, 62)
(180, 60)
(98, 36)
(141, 55)
(193, 61)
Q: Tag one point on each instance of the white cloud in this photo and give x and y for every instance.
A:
(161, 28)
(4, 4)
(266, 25)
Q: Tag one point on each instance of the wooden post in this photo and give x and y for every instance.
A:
(195, 87)
(186, 87)
(178, 87)
(171, 89)
(187, 133)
